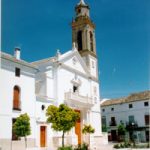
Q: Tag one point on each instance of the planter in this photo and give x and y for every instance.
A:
(130, 148)
(122, 148)
(140, 148)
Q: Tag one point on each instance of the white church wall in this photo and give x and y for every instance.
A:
(93, 66)
(74, 63)
(26, 83)
(64, 83)
(41, 84)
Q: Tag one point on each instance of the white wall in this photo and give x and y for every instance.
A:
(122, 112)
(26, 82)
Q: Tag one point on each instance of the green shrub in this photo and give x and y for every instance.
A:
(83, 146)
(122, 145)
(148, 145)
(127, 144)
(65, 148)
(117, 146)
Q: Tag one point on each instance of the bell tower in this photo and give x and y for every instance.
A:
(83, 35)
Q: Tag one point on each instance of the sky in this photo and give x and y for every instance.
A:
(40, 27)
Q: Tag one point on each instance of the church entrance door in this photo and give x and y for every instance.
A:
(78, 128)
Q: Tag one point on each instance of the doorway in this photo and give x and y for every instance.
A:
(78, 128)
(42, 136)
(114, 135)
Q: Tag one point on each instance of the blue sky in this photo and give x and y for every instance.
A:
(40, 27)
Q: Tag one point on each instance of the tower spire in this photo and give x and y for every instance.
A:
(81, 2)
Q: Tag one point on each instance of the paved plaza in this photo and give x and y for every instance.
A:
(102, 147)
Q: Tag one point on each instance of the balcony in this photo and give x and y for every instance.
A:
(131, 125)
(76, 98)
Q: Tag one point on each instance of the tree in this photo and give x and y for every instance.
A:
(21, 127)
(88, 129)
(62, 118)
(121, 131)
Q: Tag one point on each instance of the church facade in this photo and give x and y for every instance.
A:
(70, 78)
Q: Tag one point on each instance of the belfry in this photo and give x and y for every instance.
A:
(83, 35)
(83, 30)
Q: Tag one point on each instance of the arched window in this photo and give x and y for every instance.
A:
(91, 41)
(16, 98)
(79, 40)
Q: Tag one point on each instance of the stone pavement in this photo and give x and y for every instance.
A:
(102, 147)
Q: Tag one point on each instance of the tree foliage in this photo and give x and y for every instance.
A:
(62, 118)
(21, 127)
(104, 128)
(121, 129)
(88, 129)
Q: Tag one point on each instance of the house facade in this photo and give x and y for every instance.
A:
(70, 78)
(133, 111)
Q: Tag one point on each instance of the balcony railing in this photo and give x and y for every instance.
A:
(77, 98)
(131, 125)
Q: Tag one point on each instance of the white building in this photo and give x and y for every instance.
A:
(70, 78)
(133, 111)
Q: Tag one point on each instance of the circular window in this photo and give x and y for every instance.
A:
(74, 60)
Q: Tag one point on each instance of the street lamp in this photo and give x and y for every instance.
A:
(133, 125)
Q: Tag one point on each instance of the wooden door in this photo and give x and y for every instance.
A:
(78, 129)
(114, 135)
(42, 136)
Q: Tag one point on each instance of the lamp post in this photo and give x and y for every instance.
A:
(133, 125)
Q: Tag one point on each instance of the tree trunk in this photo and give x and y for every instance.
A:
(25, 138)
(63, 138)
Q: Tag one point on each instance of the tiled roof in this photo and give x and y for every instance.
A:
(39, 62)
(131, 98)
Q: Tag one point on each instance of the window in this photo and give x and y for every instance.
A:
(79, 40)
(103, 110)
(16, 98)
(17, 72)
(14, 137)
(113, 121)
(146, 104)
(75, 89)
(43, 107)
(130, 106)
(79, 10)
(112, 109)
(104, 120)
(131, 119)
(91, 41)
(147, 119)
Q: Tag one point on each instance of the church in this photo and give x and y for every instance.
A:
(70, 78)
